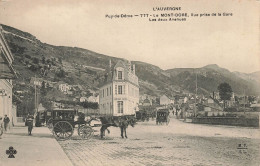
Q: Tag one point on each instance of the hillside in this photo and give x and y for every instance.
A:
(72, 65)
(86, 69)
(209, 77)
(255, 76)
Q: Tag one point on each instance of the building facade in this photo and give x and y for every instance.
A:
(7, 73)
(164, 100)
(120, 93)
(64, 88)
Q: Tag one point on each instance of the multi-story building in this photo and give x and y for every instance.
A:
(120, 93)
(7, 73)
(64, 88)
(93, 99)
(83, 99)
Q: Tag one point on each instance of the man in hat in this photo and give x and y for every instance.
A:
(29, 121)
(6, 122)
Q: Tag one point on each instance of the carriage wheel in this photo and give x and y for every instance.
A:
(50, 124)
(63, 130)
(85, 132)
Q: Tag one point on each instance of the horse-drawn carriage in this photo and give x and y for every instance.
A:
(63, 122)
(142, 116)
(162, 116)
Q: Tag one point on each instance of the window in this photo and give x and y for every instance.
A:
(120, 91)
(120, 107)
(110, 90)
(103, 93)
(120, 75)
(115, 89)
(123, 89)
(107, 91)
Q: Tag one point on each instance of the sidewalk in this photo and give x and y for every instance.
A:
(39, 149)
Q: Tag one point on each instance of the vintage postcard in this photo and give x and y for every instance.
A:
(129, 82)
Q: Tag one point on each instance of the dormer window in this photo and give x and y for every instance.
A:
(120, 75)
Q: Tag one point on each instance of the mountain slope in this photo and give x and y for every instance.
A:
(209, 77)
(81, 66)
(77, 66)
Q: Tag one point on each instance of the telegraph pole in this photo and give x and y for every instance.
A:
(244, 102)
(195, 111)
(35, 95)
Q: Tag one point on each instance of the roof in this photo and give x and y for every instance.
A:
(110, 71)
(212, 106)
(63, 109)
(171, 98)
(146, 101)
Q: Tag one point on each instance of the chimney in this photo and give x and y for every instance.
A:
(133, 69)
(129, 66)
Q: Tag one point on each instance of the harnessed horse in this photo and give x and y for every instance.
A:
(121, 122)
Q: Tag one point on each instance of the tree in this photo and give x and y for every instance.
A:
(46, 103)
(225, 92)
(48, 61)
(200, 107)
(35, 60)
(60, 60)
(61, 73)
(43, 88)
(43, 60)
(251, 99)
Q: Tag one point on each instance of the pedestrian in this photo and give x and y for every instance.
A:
(6, 122)
(1, 127)
(29, 122)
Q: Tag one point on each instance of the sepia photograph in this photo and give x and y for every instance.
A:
(129, 83)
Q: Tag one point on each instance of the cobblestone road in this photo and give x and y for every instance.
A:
(178, 143)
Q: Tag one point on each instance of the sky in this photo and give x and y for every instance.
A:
(232, 42)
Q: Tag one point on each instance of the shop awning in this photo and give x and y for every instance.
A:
(6, 69)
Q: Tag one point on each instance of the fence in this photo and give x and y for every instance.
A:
(232, 121)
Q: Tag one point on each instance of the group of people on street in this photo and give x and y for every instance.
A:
(4, 125)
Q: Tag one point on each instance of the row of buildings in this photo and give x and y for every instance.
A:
(7, 73)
